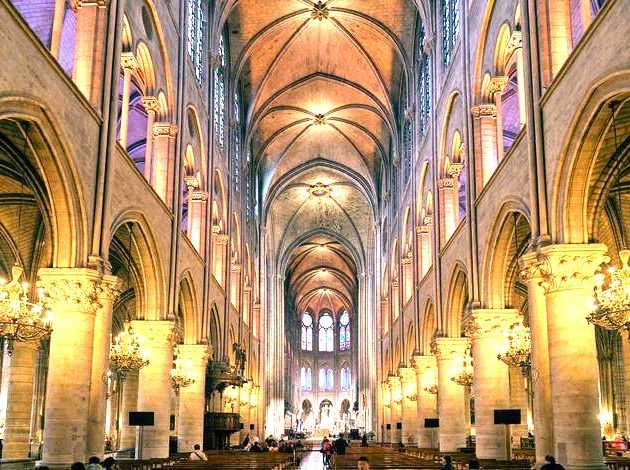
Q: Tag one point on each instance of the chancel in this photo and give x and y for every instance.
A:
(245, 234)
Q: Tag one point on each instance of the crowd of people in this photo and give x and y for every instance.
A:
(94, 463)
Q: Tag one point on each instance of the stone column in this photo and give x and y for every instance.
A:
(519, 399)
(221, 242)
(567, 272)
(423, 233)
(485, 116)
(426, 378)
(72, 297)
(192, 398)
(197, 204)
(164, 136)
(396, 407)
(448, 208)
(88, 48)
(17, 427)
(154, 384)
(492, 382)
(152, 107)
(128, 402)
(387, 408)
(129, 64)
(108, 291)
(451, 397)
(409, 405)
(495, 90)
(516, 45)
(541, 383)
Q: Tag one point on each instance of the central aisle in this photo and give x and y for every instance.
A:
(312, 461)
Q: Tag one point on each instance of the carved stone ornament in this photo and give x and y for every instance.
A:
(110, 288)
(497, 84)
(531, 264)
(483, 323)
(445, 183)
(199, 196)
(484, 110)
(164, 130)
(150, 103)
(515, 42)
(571, 266)
(85, 3)
(320, 11)
(128, 61)
(449, 348)
(70, 290)
(424, 364)
(455, 169)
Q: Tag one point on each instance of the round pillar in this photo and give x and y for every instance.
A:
(192, 398)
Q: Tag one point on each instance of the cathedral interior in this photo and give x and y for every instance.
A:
(402, 221)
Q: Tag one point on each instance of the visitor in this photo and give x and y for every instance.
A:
(255, 447)
(94, 463)
(77, 466)
(246, 441)
(109, 463)
(551, 464)
(448, 463)
(363, 463)
(197, 453)
(326, 451)
(400, 447)
(364, 440)
(340, 445)
(473, 465)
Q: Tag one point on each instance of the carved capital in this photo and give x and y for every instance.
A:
(199, 196)
(128, 61)
(161, 129)
(497, 84)
(110, 288)
(235, 268)
(455, 169)
(422, 229)
(445, 183)
(515, 42)
(531, 264)
(151, 104)
(222, 239)
(484, 323)
(86, 3)
(407, 375)
(70, 289)
(158, 334)
(571, 266)
(449, 348)
(484, 110)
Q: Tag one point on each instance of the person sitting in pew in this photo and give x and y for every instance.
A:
(363, 463)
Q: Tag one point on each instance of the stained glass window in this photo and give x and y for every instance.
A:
(326, 340)
(219, 94)
(450, 28)
(307, 332)
(236, 150)
(306, 380)
(424, 84)
(344, 331)
(195, 36)
(345, 379)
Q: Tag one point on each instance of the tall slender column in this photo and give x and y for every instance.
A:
(108, 291)
(219, 253)
(129, 402)
(57, 26)
(387, 412)
(192, 398)
(164, 136)
(568, 282)
(495, 90)
(72, 296)
(519, 400)
(515, 46)
(129, 64)
(541, 382)
(154, 384)
(152, 106)
(88, 48)
(485, 116)
(451, 397)
(426, 385)
(446, 198)
(424, 247)
(17, 427)
(492, 383)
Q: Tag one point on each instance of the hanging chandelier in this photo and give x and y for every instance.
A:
(181, 376)
(518, 347)
(127, 353)
(464, 376)
(611, 300)
(22, 319)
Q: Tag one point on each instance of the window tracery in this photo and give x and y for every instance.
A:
(325, 333)
(195, 35)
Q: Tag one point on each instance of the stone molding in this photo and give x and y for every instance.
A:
(488, 323)
(515, 42)
(70, 289)
(532, 264)
(162, 129)
(497, 84)
(159, 334)
(86, 3)
(128, 61)
(150, 103)
(407, 375)
(423, 364)
(571, 266)
(445, 183)
(449, 348)
(455, 169)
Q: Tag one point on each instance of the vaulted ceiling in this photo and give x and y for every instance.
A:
(321, 84)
